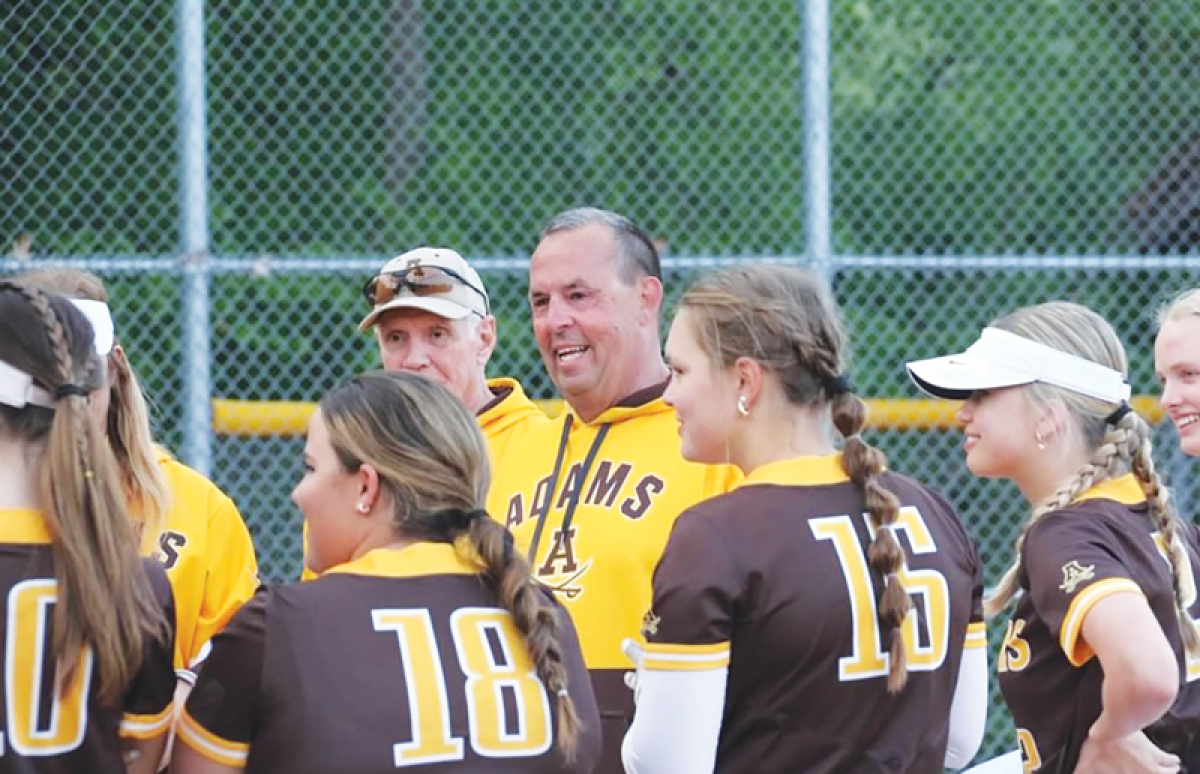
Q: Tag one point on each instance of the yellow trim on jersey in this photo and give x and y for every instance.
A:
(413, 561)
(23, 526)
(1077, 651)
(210, 745)
(976, 636)
(669, 657)
(799, 471)
(146, 726)
(1122, 489)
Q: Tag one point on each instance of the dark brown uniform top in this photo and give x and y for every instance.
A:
(1184, 718)
(70, 732)
(401, 658)
(1101, 544)
(777, 570)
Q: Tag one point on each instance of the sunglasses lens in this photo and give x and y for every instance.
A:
(419, 281)
(381, 289)
(424, 281)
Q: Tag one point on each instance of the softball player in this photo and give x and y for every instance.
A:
(186, 522)
(423, 643)
(1094, 653)
(825, 616)
(84, 624)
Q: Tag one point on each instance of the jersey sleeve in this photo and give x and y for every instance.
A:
(976, 625)
(1072, 561)
(219, 718)
(232, 575)
(696, 586)
(147, 705)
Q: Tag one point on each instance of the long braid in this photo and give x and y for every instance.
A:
(1106, 462)
(536, 618)
(864, 463)
(1164, 518)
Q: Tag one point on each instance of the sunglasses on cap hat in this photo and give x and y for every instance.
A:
(421, 281)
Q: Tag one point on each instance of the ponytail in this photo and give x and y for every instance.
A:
(104, 597)
(536, 618)
(864, 464)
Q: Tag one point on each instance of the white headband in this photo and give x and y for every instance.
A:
(1003, 359)
(18, 390)
(100, 317)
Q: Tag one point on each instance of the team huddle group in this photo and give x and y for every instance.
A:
(700, 565)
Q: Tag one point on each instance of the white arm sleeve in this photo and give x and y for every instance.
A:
(968, 712)
(677, 722)
(1009, 763)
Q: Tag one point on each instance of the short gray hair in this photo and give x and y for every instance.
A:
(635, 249)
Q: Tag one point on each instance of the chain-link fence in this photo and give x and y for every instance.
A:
(981, 156)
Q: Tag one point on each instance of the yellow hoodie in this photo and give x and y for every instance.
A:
(614, 487)
(504, 422)
(209, 557)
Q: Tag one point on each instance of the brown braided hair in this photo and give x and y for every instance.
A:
(128, 423)
(785, 319)
(104, 599)
(1115, 447)
(433, 462)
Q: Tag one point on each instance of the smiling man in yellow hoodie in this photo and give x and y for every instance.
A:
(591, 497)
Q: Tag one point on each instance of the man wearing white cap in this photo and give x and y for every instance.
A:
(432, 316)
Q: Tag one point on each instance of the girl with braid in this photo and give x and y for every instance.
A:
(825, 615)
(185, 521)
(1094, 653)
(71, 583)
(423, 643)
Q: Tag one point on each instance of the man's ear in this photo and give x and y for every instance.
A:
(487, 340)
(650, 291)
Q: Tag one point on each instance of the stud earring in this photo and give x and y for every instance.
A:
(741, 406)
(361, 508)
(1041, 442)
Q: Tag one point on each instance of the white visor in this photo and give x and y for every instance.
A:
(18, 390)
(100, 317)
(1002, 359)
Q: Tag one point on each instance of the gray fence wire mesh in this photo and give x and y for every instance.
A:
(983, 156)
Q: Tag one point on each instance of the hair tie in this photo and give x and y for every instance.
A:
(1116, 417)
(837, 385)
(563, 693)
(68, 389)
(457, 519)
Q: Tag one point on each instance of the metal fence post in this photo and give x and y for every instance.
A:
(194, 238)
(817, 207)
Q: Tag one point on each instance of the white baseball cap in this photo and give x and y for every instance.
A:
(1002, 359)
(99, 315)
(415, 275)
